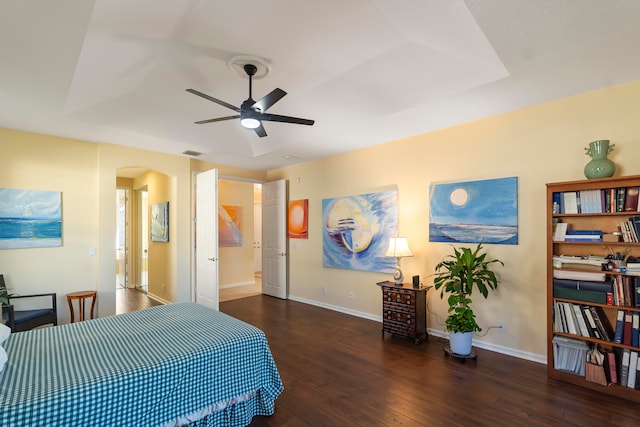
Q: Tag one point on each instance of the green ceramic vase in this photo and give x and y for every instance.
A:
(599, 166)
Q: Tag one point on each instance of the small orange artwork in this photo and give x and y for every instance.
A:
(298, 219)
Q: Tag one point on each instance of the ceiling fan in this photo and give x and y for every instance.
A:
(253, 113)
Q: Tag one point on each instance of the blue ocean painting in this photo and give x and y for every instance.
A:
(484, 211)
(357, 229)
(30, 219)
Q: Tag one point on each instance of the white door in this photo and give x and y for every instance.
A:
(274, 239)
(206, 225)
(257, 238)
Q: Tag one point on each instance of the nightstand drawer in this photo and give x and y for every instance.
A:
(398, 296)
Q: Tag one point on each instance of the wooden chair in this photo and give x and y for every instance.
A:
(24, 320)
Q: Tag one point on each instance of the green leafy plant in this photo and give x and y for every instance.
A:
(458, 274)
(4, 296)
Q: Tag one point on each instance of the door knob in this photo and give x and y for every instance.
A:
(212, 259)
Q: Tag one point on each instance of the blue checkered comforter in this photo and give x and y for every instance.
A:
(146, 368)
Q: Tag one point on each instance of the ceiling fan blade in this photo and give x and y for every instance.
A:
(260, 131)
(219, 119)
(269, 99)
(286, 119)
(212, 99)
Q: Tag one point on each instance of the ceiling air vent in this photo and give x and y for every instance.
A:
(192, 153)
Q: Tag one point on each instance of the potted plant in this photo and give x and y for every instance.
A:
(4, 300)
(4, 296)
(458, 274)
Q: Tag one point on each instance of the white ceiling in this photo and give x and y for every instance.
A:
(367, 71)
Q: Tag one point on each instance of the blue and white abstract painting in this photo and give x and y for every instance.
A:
(30, 219)
(483, 211)
(357, 229)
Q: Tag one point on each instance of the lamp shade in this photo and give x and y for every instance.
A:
(398, 247)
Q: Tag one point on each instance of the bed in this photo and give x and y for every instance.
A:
(173, 365)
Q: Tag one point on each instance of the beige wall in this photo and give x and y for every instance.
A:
(38, 162)
(538, 145)
(162, 272)
(237, 263)
(85, 173)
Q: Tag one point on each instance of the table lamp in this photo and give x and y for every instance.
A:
(398, 248)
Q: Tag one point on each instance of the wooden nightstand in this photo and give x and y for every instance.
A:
(404, 310)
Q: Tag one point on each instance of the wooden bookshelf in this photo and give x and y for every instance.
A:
(606, 221)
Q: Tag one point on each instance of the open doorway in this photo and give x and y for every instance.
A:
(240, 239)
(142, 270)
(123, 238)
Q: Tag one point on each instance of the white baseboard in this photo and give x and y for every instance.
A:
(337, 308)
(438, 333)
(497, 348)
(157, 298)
(235, 285)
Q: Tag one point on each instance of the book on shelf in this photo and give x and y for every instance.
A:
(619, 328)
(624, 366)
(570, 318)
(583, 295)
(586, 285)
(621, 195)
(636, 292)
(569, 355)
(635, 329)
(560, 232)
(610, 368)
(583, 329)
(591, 323)
(627, 331)
(592, 276)
(589, 262)
(635, 220)
(631, 199)
(602, 322)
(633, 366)
(623, 291)
(570, 202)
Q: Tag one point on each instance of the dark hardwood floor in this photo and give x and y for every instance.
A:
(337, 370)
(129, 299)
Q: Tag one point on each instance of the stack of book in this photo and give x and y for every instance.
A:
(630, 229)
(582, 320)
(632, 268)
(569, 355)
(583, 236)
(583, 290)
(627, 330)
(626, 290)
(623, 199)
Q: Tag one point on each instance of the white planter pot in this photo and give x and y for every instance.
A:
(460, 342)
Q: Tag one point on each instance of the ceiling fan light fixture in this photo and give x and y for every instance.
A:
(249, 122)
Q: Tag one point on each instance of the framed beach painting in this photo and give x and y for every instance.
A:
(160, 222)
(484, 211)
(30, 218)
(357, 229)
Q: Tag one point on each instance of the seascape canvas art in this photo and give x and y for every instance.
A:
(484, 211)
(160, 222)
(230, 225)
(357, 229)
(30, 218)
